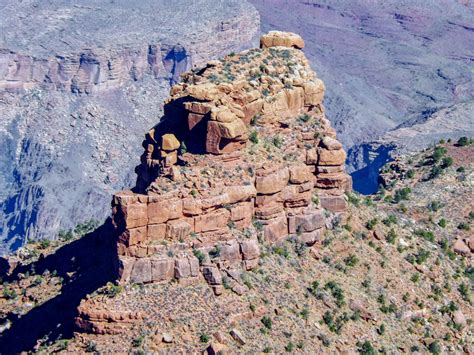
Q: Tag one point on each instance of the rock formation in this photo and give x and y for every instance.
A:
(74, 75)
(244, 153)
(396, 72)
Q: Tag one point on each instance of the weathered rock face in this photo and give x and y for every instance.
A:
(80, 81)
(244, 154)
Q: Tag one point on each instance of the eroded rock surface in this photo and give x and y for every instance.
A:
(79, 83)
(257, 161)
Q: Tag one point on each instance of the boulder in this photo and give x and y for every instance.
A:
(459, 319)
(192, 206)
(134, 214)
(200, 108)
(311, 156)
(169, 142)
(272, 183)
(331, 157)
(243, 210)
(162, 269)
(299, 174)
(249, 249)
(282, 39)
(133, 236)
(229, 130)
(212, 275)
(334, 181)
(310, 221)
(461, 248)
(230, 252)
(186, 267)
(237, 336)
(223, 114)
(204, 92)
(241, 193)
(313, 92)
(125, 267)
(276, 229)
(330, 143)
(333, 203)
(141, 272)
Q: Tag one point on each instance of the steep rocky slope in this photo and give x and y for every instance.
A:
(403, 67)
(79, 83)
(393, 278)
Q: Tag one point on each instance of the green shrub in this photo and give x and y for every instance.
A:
(277, 141)
(281, 250)
(267, 322)
(463, 141)
(434, 172)
(438, 153)
(204, 338)
(442, 223)
(137, 342)
(371, 223)
(289, 347)
(435, 348)
(391, 236)
(336, 291)
(215, 252)
(464, 226)
(199, 255)
(44, 243)
(401, 194)
(411, 174)
(111, 290)
(391, 219)
(353, 199)
(465, 291)
(253, 137)
(304, 117)
(427, 235)
(366, 348)
(446, 162)
(351, 260)
(9, 294)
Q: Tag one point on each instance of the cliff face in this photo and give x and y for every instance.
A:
(398, 73)
(244, 153)
(79, 85)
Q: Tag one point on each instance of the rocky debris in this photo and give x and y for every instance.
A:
(94, 318)
(167, 338)
(237, 336)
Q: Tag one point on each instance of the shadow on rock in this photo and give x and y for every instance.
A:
(85, 265)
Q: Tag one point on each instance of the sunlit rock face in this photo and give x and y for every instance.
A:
(386, 65)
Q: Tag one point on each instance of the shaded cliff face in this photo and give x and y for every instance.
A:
(79, 83)
(386, 64)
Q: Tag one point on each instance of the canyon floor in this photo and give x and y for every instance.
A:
(396, 277)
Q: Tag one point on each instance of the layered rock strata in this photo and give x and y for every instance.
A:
(74, 76)
(244, 154)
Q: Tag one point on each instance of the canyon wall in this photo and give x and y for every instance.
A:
(79, 83)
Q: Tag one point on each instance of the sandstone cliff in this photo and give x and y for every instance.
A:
(244, 153)
(79, 83)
